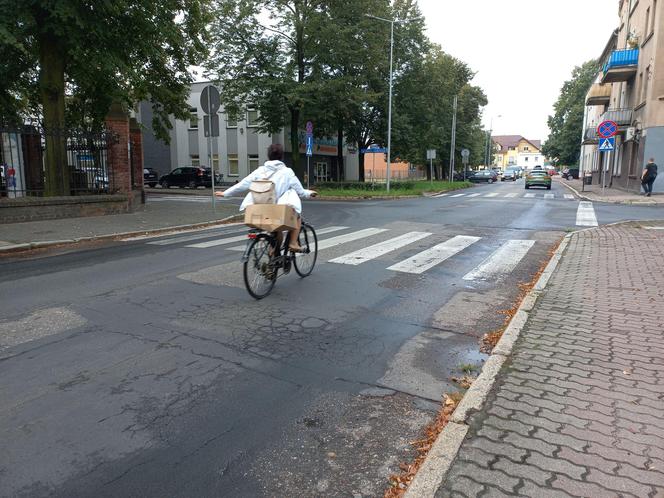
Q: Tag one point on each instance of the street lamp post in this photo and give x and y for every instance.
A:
(389, 105)
(487, 150)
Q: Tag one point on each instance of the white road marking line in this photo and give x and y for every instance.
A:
(189, 238)
(380, 249)
(441, 195)
(501, 261)
(585, 215)
(218, 242)
(474, 195)
(529, 196)
(322, 231)
(569, 196)
(513, 194)
(492, 194)
(654, 228)
(549, 196)
(349, 237)
(458, 195)
(155, 236)
(425, 260)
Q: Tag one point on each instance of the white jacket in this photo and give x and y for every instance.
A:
(288, 186)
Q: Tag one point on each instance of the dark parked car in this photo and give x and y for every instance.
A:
(150, 177)
(484, 176)
(568, 173)
(190, 176)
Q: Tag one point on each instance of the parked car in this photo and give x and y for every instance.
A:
(459, 177)
(569, 173)
(538, 178)
(190, 176)
(552, 172)
(484, 176)
(510, 174)
(150, 177)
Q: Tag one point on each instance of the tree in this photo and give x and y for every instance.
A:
(263, 54)
(70, 59)
(566, 124)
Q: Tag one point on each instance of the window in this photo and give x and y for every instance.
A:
(526, 159)
(640, 89)
(195, 160)
(193, 118)
(252, 116)
(653, 17)
(646, 84)
(215, 162)
(233, 166)
(526, 148)
(253, 163)
(231, 121)
(511, 148)
(646, 30)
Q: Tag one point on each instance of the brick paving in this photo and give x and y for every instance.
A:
(594, 193)
(579, 408)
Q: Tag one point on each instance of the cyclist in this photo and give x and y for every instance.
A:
(287, 186)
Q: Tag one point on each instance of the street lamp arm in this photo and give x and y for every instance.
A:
(379, 18)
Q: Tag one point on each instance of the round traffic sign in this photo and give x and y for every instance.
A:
(465, 153)
(607, 129)
(210, 99)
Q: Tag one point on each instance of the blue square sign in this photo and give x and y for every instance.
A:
(607, 144)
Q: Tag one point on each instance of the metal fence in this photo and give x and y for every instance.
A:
(23, 161)
(380, 175)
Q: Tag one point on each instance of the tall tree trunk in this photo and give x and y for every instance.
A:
(52, 89)
(295, 142)
(341, 174)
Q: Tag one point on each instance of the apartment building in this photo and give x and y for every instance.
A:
(240, 147)
(515, 150)
(629, 90)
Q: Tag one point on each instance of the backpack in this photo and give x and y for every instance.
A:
(264, 191)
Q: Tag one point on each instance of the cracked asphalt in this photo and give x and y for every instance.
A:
(124, 375)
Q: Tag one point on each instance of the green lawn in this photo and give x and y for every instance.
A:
(415, 188)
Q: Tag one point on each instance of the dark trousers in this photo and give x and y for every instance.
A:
(647, 185)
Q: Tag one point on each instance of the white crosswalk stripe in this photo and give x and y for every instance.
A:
(474, 195)
(513, 194)
(189, 238)
(549, 196)
(380, 249)
(529, 196)
(320, 232)
(218, 242)
(458, 195)
(569, 196)
(585, 215)
(425, 260)
(502, 261)
(492, 194)
(349, 237)
(442, 195)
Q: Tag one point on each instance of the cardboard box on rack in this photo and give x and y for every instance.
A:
(270, 217)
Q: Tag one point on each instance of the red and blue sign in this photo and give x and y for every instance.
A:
(607, 129)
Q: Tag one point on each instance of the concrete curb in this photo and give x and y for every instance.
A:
(627, 203)
(434, 470)
(27, 246)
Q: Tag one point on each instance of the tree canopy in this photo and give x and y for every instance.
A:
(566, 124)
(66, 61)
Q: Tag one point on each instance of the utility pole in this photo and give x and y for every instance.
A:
(453, 144)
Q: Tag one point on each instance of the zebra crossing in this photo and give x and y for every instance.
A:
(510, 195)
(496, 258)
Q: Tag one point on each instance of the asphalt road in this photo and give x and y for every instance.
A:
(143, 368)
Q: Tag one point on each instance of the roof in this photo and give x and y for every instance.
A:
(506, 141)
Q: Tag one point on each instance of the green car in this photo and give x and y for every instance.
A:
(538, 178)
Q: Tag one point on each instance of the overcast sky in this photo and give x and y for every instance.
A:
(522, 51)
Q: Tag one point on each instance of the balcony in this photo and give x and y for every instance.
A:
(623, 117)
(621, 65)
(598, 94)
(590, 136)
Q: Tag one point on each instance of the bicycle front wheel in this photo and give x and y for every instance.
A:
(305, 261)
(260, 274)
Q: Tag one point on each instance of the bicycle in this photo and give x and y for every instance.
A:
(264, 258)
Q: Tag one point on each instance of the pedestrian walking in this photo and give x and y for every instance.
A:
(648, 176)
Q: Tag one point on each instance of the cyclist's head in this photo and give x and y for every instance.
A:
(275, 152)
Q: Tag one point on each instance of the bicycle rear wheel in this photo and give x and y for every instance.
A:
(305, 261)
(260, 274)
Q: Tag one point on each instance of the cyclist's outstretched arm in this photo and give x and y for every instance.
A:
(238, 188)
(299, 189)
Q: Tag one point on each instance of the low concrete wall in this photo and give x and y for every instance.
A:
(51, 208)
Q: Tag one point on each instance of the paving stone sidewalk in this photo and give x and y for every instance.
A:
(594, 193)
(579, 409)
